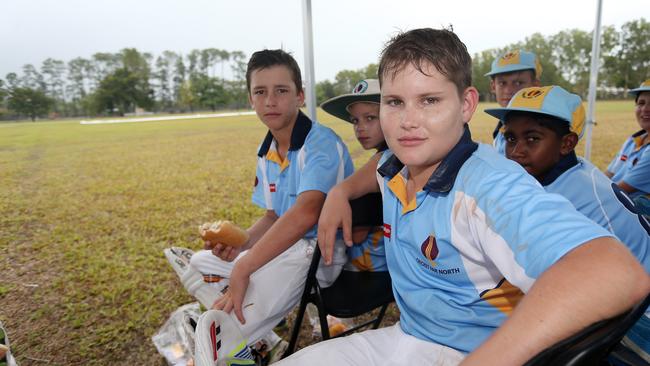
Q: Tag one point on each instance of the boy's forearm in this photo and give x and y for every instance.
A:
(361, 182)
(260, 227)
(595, 281)
(286, 230)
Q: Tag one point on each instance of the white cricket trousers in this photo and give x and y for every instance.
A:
(276, 288)
(381, 347)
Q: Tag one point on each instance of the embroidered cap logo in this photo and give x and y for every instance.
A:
(509, 55)
(532, 94)
(361, 87)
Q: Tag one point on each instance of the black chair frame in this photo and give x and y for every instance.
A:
(353, 293)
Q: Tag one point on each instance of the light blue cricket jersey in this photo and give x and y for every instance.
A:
(369, 255)
(317, 159)
(499, 142)
(632, 164)
(597, 197)
(474, 240)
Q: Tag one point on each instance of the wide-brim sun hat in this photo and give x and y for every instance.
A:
(551, 101)
(645, 87)
(364, 91)
(516, 61)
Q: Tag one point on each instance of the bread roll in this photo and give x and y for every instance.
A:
(224, 232)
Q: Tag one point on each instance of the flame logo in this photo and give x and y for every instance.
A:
(509, 55)
(530, 94)
(429, 249)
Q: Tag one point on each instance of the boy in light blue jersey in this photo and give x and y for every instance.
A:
(468, 232)
(297, 163)
(511, 72)
(542, 126)
(630, 169)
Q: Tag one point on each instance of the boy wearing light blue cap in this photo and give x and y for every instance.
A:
(510, 73)
(541, 128)
(630, 169)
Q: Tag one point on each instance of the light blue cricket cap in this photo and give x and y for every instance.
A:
(645, 87)
(516, 61)
(551, 101)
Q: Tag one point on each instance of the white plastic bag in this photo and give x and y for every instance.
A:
(175, 339)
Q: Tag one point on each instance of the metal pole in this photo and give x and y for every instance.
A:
(593, 79)
(310, 85)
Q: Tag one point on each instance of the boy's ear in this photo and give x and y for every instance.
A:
(569, 142)
(493, 87)
(301, 98)
(469, 103)
(250, 99)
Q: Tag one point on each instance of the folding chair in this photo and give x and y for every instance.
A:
(353, 293)
(592, 345)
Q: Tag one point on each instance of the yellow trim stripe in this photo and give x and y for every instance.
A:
(398, 186)
(505, 297)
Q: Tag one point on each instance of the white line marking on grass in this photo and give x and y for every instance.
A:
(164, 118)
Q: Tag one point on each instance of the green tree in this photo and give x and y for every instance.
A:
(324, 91)
(29, 102)
(572, 53)
(629, 63)
(481, 65)
(121, 91)
(209, 92)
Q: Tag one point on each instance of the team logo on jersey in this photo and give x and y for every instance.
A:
(429, 249)
(361, 87)
(636, 160)
(272, 187)
(509, 56)
(531, 94)
(623, 157)
(387, 231)
(256, 181)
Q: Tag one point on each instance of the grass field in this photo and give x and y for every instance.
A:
(87, 210)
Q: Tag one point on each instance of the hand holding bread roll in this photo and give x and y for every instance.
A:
(224, 232)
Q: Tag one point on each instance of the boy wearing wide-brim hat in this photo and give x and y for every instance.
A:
(361, 108)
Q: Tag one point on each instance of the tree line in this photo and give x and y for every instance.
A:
(565, 59)
(118, 83)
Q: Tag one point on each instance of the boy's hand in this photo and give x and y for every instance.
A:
(336, 213)
(225, 252)
(233, 298)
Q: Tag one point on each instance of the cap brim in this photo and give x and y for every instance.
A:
(638, 91)
(501, 113)
(337, 106)
(510, 68)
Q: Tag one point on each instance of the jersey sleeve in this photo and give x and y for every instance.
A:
(258, 189)
(639, 175)
(614, 165)
(326, 160)
(523, 229)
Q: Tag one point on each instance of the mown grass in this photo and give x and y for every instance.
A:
(88, 209)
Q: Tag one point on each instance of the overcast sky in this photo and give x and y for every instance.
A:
(348, 34)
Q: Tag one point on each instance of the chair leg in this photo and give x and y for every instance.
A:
(380, 316)
(322, 317)
(297, 324)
